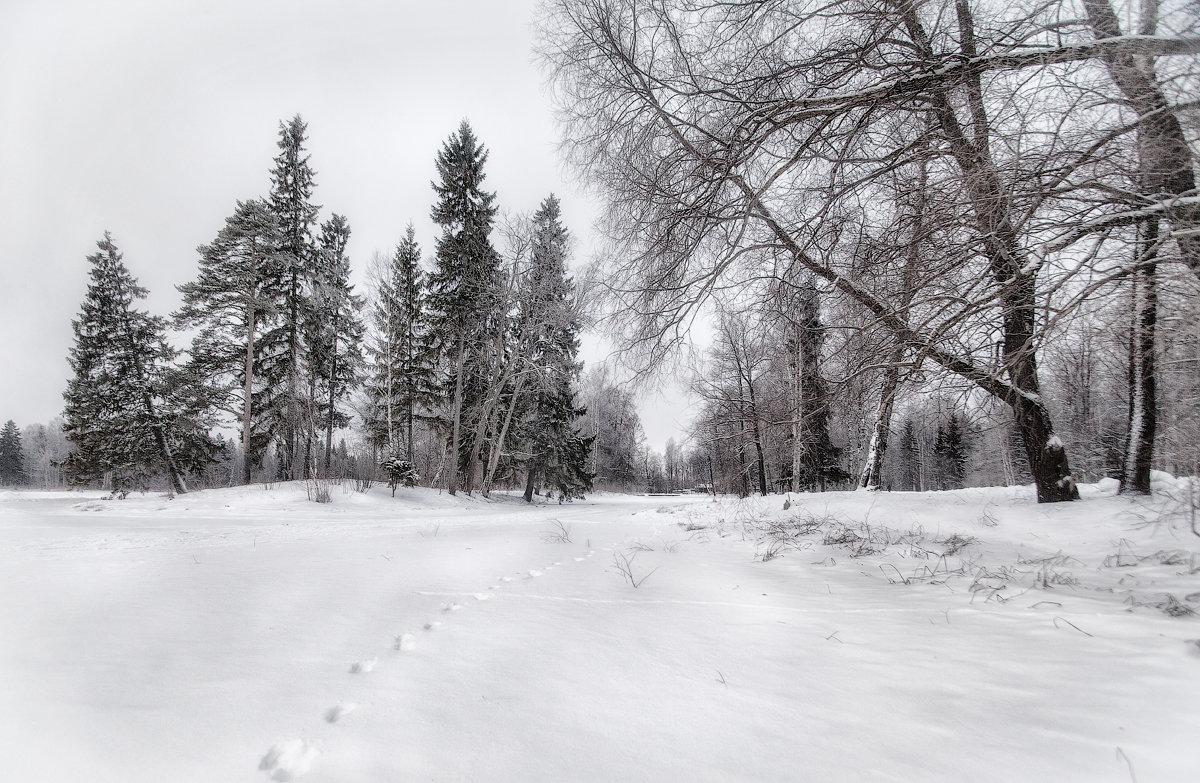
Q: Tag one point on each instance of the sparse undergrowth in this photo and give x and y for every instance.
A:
(912, 556)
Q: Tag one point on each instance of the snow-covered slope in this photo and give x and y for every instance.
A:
(249, 634)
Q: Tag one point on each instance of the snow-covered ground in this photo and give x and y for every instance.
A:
(250, 635)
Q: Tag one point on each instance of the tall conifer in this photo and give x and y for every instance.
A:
(290, 201)
(233, 301)
(464, 295)
(549, 325)
(334, 332)
(402, 388)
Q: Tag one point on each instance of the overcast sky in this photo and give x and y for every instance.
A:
(150, 119)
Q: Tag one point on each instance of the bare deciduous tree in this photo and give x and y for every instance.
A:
(736, 141)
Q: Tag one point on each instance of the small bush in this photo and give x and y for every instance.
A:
(400, 472)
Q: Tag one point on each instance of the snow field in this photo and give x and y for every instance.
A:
(226, 635)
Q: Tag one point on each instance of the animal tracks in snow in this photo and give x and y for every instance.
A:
(334, 714)
(288, 760)
(363, 667)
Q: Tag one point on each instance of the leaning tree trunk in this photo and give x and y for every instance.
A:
(494, 455)
(1016, 285)
(164, 448)
(1045, 451)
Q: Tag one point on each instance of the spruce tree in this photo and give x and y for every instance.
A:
(236, 298)
(402, 387)
(383, 378)
(12, 457)
(464, 296)
(117, 401)
(334, 332)
(290, 201)
(549, 328)
(953, 450)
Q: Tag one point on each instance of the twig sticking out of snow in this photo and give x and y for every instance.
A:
(623, 562)
(558, 534)
(1128, 763)
(1073, 625)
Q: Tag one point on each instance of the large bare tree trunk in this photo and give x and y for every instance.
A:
(1017, 288)
(1143, 397)
(1163, 152)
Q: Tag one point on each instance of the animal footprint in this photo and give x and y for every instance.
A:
(288, 760)
(334, 714)
(406, 642)
(432, 625)
(451, 607)
(481, 597)
(533, 573)
(362, 667)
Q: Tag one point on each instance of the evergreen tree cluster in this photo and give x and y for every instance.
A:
(463, 375)
(125, 414)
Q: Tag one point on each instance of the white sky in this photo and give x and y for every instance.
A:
(151, 119)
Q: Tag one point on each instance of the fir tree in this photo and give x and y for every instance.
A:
(403, 382)
(951, 450)
(549, 327)
(12, 457)
(290, 201)
(117, 402)
(234, 299)
(334, 332)
(464, 296)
